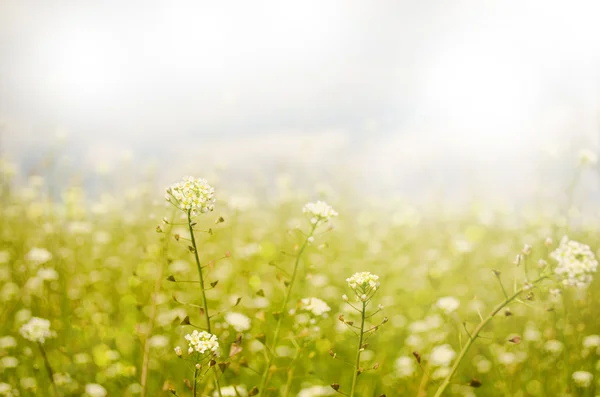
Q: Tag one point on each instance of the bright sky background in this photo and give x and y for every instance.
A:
(401, 90)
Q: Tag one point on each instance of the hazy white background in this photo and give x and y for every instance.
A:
(442, 94)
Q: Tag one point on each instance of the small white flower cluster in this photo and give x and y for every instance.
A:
(448, 304)
(440, 358)
(576, 263)
(240, 322)
(202, 342)
(6, 390)
(404, 367)
(364, 285)
(315, 306)
(582, 378)
(37, 330)
(192, 194)
(38, 256)
(95, 390)
(319, 212)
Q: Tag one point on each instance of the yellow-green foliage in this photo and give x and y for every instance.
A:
(123, 285)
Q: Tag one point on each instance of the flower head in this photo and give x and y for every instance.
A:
(192, 194)
(314, 305)
(202, 342)
(576, 262)
(448, 304)
(37, 330)
(442, 356)
(95, 390)
(364, 284)
(240, 322)
(319, 212)
(582, 378)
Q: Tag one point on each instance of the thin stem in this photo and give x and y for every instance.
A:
(195, 382)
(204, 301)
(359, 349)
(475, 333)
(48, 369)
(157, 284)
(288, 294)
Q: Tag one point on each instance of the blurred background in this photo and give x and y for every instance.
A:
(464, 98)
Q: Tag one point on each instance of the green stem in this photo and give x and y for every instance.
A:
(49, 369)
(359, 349)
(204, 301)
(195, 382)
(288, 294)
(474, 334)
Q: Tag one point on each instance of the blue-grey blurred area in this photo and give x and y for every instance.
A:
(456, 96)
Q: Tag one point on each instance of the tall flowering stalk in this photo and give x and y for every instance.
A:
(319, 213)
(195, 196)
(364, 285)
(38, 330)
(576, 265)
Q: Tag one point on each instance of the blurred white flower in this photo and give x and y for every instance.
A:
(202, 342)
(95, 390)
(47, 274)
(507, 358)
(316, 391)
(38, 256)
(582, 378)
(6, 390)
(7, 342)
(28, 383)
(553, 346)
(591, 342)
(37, 330)
(192, 194)
(404, 367)
(448, 304)
(441, 356)
(440, 373)
(314, 305)
(240, 322)
(9, 362)
(319, 212)
(576, 262)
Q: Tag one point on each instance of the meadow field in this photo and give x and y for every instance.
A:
(198, 291)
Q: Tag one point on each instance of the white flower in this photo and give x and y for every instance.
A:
(587, 157)
(192, 194)
(47, 274)
(591, 342)
(582, 378)
(202, 342)
(316, 391)
(364, 284)
(442, 356)
(507, 358)
(230, 391)
(404, 367)
(28, 383)
(240, 322)
(319, 212)
(7, 391)
(37, 330)
(9, 362)
(440, 373)
(7, 342)
(95, 390)
(553, 346)
(576, 262)
(448, 304)
(314, 305)
(38, 256)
